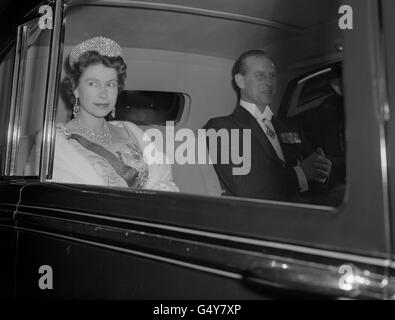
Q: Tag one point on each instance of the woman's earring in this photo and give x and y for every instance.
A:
(76, 108)
(113, 113)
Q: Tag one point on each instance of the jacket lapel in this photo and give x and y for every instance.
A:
(246, 121)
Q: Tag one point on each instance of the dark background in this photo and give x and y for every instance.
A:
(12, 13)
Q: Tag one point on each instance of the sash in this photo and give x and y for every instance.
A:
(127, 173)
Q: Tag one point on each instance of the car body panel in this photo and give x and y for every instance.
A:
(143, 230)
(9, 197)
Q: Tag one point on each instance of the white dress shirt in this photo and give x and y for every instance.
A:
(264, 119)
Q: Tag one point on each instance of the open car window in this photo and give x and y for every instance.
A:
(181, 92)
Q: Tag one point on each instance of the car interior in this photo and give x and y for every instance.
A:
(179, 69)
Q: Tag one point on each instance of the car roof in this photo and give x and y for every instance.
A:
(203, 27)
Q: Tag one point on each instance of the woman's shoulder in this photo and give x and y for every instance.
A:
(131, 129)
(124, 124)
(63, 129)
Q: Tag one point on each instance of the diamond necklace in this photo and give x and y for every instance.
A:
(105, 138)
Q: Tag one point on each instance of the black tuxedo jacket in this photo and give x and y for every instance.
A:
(269, 177)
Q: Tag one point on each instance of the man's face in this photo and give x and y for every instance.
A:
(258, 85)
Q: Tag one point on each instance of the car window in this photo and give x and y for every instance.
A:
(315, 102)
(315, 88)
(150, 107)
(165, 73)
(30, 101)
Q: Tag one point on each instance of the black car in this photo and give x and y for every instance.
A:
(64, 240)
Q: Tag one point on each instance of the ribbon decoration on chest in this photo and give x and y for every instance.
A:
(127, 173)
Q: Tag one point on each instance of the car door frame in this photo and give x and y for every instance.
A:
(12, 185)
(388, 87)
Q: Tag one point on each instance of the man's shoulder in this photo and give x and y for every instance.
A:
(221, 122)
(286, 123)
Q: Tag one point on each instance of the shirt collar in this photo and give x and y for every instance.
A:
(255, 112)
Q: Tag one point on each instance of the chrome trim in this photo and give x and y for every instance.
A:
(271, 244)
(10, 130)
(56, 95)
(15, 129)
(48, 139)
(381, 98)
(314, 75)
(193, 11)
(343, 280)
(324, 60)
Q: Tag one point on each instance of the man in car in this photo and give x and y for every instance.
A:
(283, 166)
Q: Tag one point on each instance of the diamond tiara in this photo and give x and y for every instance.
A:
(102, 45)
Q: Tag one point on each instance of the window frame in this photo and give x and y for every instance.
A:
(4, 51)
(289, 105)
(51, 89)
(388, 8)
(182, 115)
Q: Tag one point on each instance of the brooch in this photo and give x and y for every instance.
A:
(133, 153)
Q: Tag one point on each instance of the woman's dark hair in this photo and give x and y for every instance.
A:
(87, 59)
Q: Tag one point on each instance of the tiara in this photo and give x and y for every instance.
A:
(102, 45)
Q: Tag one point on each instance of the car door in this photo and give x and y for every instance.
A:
(102, 242)
(23, 71)
(9, 194)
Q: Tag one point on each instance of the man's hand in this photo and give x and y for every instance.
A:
(322, 166)
(316, 166)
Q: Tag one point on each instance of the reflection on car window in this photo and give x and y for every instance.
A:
(315, 88)
(32, 104)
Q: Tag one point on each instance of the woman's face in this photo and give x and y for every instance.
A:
(97, 90)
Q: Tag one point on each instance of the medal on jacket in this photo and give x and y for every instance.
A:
(290, 137)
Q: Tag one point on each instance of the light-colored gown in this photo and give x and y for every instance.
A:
(73, 163)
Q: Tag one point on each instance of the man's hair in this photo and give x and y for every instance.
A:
(240, 65)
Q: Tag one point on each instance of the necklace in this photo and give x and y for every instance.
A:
(105, 138)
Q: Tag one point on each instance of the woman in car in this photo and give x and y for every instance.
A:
(90, 150)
